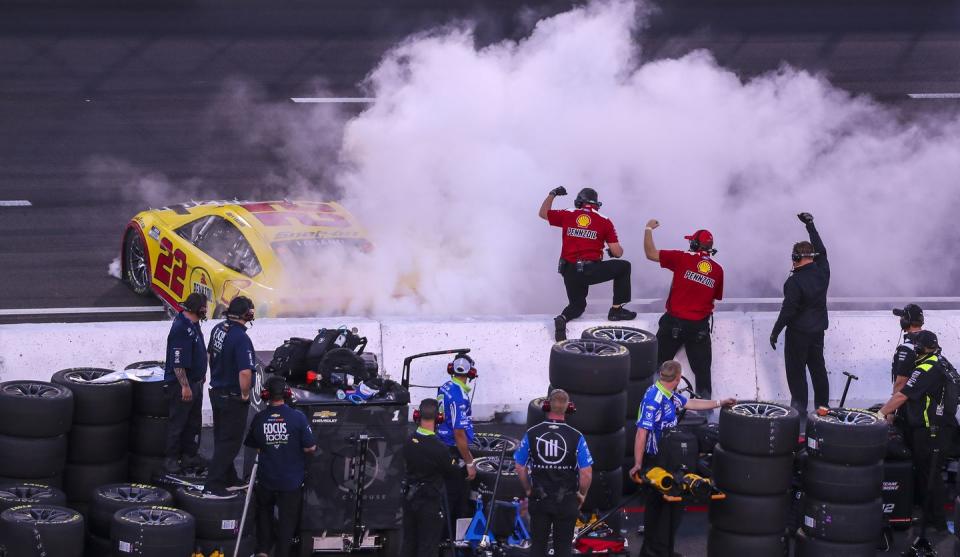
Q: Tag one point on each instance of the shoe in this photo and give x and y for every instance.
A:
(560, 328)
(171, 466)
(621, 314)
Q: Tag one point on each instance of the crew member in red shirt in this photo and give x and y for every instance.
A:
(697, 282)
(585, 232)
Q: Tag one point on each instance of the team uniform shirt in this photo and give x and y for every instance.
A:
(658, 412)
(428, 464)
(585, 232)
(924, 390)
(554, 452)
(697, 282)
(281, 434)
(456, 410)
(905, 357)
(231, 351)
(185, 349)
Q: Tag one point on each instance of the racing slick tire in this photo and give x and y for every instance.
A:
(629, 437)
(629, 486)
(96, 403)
(80, 480)
(593, 367)
(847, 436)
(92, 444)
(759, 428)
(727, 544)
(487, 443)
(143, 469)
(35, 409)
(510, 486)
(607, 450)
(606, 491)
(149, 397)
(641, 344)
(55, 480)
(751, 475)
(148, 435)
(807, 546)
(153, 531)
(32, 458)
(754, 515)
(636, 389)
(842, 522)
(27, 493)
(110, 498)
(59, 529)
(215, 518)
(136, 264)
(842, 483)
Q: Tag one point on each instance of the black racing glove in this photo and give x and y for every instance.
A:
(556, 192)
(805, 218)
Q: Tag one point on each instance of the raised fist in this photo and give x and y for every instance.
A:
(805, 218)
(653, 223)
(558, 191)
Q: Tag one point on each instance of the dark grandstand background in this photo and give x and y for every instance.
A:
(80, 80)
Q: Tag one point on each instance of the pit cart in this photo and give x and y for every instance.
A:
(352, 494)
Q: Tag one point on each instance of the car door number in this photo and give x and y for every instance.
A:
(171, 268)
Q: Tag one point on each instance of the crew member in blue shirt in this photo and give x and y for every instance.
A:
(232, 361)
(184, 373)
(659, 412)
(283, 438)
(456, 431)
(555, 468)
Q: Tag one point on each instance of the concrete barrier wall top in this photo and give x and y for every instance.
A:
(512, 352)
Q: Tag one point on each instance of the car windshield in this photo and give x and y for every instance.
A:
(223, 241)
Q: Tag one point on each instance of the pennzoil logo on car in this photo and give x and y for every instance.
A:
(583, 221)
(154, 233)
(325, 417)
(704, 267)
(201, 283)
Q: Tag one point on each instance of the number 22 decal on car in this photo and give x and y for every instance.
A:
(171, 267)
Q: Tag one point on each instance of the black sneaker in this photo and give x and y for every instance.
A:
(560, 328)
(621, 314)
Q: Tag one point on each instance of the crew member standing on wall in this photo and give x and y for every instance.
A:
(585, 232)
(456, 430)
(923, 395)
(555, 468)
(184, 374)
(232, 361)
(658, 413)
(804, 314)
(688, 321)
(283, 439)
(429, 466)
(905, 357)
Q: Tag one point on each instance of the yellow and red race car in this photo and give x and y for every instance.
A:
(223, 248)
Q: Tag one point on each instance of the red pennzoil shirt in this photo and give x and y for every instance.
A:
(585, 233)
(697, 282)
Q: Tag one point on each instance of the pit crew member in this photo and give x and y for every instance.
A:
(456, 430)
(905, 356)
(184, 373)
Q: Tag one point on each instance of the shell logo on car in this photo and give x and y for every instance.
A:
(224, 249)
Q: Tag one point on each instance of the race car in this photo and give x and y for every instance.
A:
(226, 248)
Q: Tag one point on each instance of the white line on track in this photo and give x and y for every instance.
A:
(15, 203)
(332, 99)
(74, 311)
(934, 95)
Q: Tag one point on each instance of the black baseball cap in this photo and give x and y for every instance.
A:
(926, 339)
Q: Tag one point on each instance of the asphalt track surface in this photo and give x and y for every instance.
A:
(81, 83)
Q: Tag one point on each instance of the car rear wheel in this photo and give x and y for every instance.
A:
(136, 268)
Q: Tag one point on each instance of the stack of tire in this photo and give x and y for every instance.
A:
(41, 530)
(595, 373)
(152, 531)
(486, 449)
(842, 510)
(753, 467)
(97, 444)
(217, 521)
(642, 346)
(148, 425)
(35, 417)
(110, 498)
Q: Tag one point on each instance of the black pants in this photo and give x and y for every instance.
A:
(183, 427)
(458, 493)
(694, 337)
(578, 284)
(423, 526)
(561, 516)
(276, 531)
(229, 426)
(801, 351)
(929, 490)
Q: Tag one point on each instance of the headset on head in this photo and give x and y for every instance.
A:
(696, 246)
(241, 307)
(797, 256)
(462, 366)
(437, 420)
(911, 313)
(582, 199)
(571, 407)
(287, 392)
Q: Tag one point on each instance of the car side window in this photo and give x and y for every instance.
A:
(223, 241)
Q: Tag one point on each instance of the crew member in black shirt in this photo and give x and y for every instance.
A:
(283, 438)
(184, 374)
(429, 465)
(905, 357)
(555, 468)
(804, 314)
